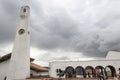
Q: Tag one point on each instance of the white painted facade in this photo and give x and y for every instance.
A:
(113, 55)
(19, 66)
(35, 73)
(3, 69)
(4, 66)
(94, 63)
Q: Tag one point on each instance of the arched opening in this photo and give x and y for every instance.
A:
(21, 31)
(89, 71)
(99, 70)
(110, 71)
(79, 71)
(69, 72)
(24, 10)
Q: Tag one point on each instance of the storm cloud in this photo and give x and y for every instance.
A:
(87, 28)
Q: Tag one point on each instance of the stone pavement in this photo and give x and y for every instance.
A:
(70, 79)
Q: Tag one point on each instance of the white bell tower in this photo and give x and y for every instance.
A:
(19, 66)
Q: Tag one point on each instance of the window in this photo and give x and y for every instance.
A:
(24, 10)
(21, 31)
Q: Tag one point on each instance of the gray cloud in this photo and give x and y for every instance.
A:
(9, 19)
(60, 30)
(88, 27)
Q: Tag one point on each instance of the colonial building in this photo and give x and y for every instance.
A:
(108, 67)
(35, 70)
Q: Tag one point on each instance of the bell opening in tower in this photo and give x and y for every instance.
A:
(24, 10)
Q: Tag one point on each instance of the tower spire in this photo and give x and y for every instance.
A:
(19, 66)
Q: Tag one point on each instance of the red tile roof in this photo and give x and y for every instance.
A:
(38, 67)
(33, 66)
(8, 56)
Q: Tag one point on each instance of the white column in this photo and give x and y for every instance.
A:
(19, 66)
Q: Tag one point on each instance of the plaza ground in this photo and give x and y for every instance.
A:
(69, 79)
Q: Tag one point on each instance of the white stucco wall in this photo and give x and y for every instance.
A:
(113, 55)
(3, 69)
(44, 73)
(34, 73)
(64, 64)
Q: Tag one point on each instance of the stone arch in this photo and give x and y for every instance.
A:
(80, 72)
(99, 70)
(110, 71)
(70, 72)
(90, 72)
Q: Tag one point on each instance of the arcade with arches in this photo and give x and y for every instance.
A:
(89, 71)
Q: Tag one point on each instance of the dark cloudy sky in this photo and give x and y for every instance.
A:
(64, 29)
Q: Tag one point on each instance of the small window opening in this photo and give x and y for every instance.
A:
(21, 31)
(24, 10)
